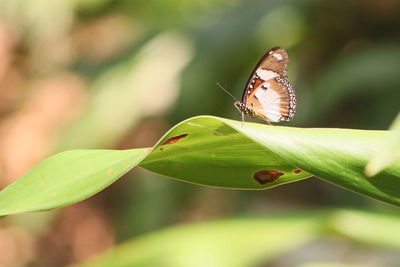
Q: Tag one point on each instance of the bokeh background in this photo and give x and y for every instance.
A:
(119, 73)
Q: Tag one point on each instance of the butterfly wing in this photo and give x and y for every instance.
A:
(268, 92)
(273, 100)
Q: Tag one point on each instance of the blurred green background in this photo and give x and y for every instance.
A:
(119, 73)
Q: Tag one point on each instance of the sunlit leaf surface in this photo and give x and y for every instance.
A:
(67, 178)
(215, 152)
(255, 241)
(389, 151)
(221, 152)
(251, 241)
(370, 228)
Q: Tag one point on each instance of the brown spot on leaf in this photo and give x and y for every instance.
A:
(174, 139)
(110, 172)
(161, 149)
(297, 171)
(267, 176)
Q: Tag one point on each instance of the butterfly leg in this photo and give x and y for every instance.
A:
(242, 119)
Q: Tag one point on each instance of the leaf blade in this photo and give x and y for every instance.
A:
(388, 152)
(334, 155)
(253, 240)
(67, 178)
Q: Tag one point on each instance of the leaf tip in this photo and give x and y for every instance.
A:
(371, 170)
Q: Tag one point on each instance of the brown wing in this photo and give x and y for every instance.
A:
(274, 60)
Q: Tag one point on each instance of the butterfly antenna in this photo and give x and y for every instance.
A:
(226, 91)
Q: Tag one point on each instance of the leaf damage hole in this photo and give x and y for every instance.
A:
(297, 171)
(174, 140)
(267, 176)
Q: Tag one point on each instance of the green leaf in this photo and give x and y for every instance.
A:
(327, 264)
(371, 228)
(221, 152)
(251, 241)
(254, 241)
(67, 178)
(388, 152)
(213, 151)
(216, 152)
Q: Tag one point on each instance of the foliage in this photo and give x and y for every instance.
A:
(255, 241)
(118, 74)
(215, 152)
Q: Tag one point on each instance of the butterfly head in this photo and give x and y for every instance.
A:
(243, 109)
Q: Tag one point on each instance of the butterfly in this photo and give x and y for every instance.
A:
(268, 94)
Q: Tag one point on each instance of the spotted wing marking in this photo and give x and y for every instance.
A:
(268, 94)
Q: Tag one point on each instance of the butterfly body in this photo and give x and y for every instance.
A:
(268, 94)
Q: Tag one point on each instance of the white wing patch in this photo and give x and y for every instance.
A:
(266, 75)
(270, 102)
(277, 56)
